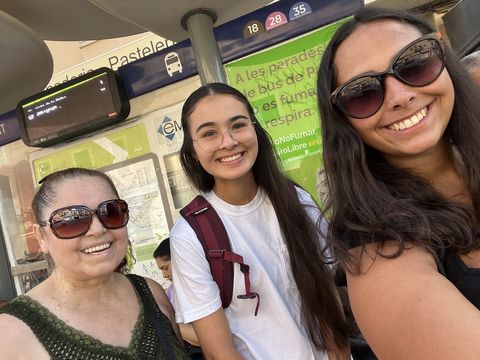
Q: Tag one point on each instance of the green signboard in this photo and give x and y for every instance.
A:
(280, 83)
(93, 154)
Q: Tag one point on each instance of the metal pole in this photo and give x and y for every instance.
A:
(199, 23)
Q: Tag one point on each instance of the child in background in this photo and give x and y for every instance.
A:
(162, 258)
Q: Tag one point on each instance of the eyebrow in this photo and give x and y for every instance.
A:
(212, 123)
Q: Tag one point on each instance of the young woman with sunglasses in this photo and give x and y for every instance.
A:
(86, 309)
(400, 124)
(229, 157)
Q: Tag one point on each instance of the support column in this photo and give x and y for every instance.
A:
(199, 23)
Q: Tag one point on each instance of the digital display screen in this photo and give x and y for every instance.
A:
(74, 109)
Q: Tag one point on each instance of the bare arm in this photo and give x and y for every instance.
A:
(407, 310)
(164, 304)
(14, 333)
(188, 334)
(215, 337)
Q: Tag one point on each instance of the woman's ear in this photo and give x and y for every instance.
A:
(41, 238)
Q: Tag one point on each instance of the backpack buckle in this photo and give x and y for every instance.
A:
(244, 268)
(216, 254)
(199, 211)
(247, 296)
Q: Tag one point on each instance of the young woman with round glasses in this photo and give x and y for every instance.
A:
(86, 309)
(400, 124)
(272, 224)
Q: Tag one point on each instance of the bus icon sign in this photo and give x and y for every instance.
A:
(173, 63)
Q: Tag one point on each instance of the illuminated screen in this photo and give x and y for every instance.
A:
(69, 110)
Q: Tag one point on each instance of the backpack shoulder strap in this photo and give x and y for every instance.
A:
(213, 236)
(209, 228)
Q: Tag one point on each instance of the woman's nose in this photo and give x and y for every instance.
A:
(227, 140)
(397, 94)
(96, 227)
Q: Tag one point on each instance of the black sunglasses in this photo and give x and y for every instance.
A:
(418, 64)
(72, 221)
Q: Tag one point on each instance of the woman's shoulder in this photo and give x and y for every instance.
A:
(416, 308)
(12, 327)
(160, 297)
(146, 285)
(14, 332)
(181, 228)
(156, 289)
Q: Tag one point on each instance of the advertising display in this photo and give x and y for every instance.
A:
(280, 83)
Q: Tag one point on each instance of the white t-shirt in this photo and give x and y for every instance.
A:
(277, 331)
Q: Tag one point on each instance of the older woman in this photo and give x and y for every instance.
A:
(87, 309)
(401, 124)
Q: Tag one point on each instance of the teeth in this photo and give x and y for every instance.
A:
(229, 158)
(96, 248)
(408, 123)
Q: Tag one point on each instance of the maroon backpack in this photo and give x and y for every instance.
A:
(209, 229)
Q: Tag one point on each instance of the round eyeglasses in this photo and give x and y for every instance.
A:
(210, 138)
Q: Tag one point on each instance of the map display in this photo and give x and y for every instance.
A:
(139, 183)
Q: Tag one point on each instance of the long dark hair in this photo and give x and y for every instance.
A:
(319, 306)
(370, 200)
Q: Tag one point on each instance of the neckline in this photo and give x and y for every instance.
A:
(236, 210)
(134, 339)
(464, 267)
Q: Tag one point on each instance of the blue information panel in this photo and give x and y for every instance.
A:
(9, 130)
(175, 63)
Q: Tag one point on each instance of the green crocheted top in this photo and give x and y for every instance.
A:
(64, 342)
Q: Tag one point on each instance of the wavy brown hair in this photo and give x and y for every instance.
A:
(320, 308)
(372, 201)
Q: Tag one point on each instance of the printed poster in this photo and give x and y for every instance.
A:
(280, 83)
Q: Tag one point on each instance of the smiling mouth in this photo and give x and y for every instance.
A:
(227, 159)
(97, 249)
(410, 122)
